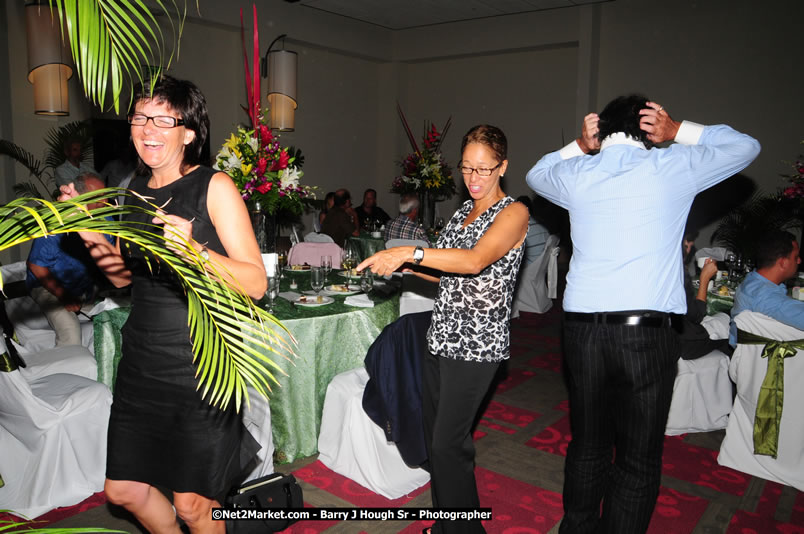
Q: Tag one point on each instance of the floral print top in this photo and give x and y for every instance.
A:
(471, 314)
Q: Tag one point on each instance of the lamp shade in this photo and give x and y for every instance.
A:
(282, 88)
(48, 61)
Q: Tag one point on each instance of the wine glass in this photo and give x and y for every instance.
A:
(317, 280)
(349, 258)
(731, 260)
(272, 291)
(282, 260)
(366, 281)
(326, 264)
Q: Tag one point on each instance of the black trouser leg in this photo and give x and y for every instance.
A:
(621, 384)
(452, 393)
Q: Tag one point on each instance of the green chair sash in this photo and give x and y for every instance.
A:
(771, 394)
(7, 363)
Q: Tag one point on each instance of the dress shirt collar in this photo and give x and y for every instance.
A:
(620, 138)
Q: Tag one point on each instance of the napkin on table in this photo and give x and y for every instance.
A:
(290, 295)
(361, 301)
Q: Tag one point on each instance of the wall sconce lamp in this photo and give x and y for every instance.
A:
(48, 61)
(280, 68)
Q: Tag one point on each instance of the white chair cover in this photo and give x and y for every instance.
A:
(417, 295)
(391, 243)
(353, 446)
(310, 253)
(748, 369)
(70, 359)
(701, 395)
(534, 291)
(53, 441)
(315, 237)
(257, 420)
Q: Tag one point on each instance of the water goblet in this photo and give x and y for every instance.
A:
(730, 259)
(282, 260)
(326, 264)
(317, 280)
(349, 259)
(272, 291)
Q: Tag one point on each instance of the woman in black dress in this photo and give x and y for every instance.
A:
(161, 432)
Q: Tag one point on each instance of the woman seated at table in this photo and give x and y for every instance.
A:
(329, 201)
(161, 432)
(478, 253)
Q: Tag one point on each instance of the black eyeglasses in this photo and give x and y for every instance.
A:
(160, 121)
(480, 172)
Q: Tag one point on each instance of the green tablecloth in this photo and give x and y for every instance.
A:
(331, 339)
(718, 303)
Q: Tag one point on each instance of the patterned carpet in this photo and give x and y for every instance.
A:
(521, 441)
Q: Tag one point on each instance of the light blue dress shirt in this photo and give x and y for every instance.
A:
(628, 207)
(759, 294)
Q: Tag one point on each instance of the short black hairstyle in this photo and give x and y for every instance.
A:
(369, 191)
(622, 115)
(774, 245)
(183, 97)
(341, 197)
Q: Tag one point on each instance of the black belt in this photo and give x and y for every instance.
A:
(631, 318)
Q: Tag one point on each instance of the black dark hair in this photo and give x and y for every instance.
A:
(774, 245)
(369, 191)
(622, 115)
(341, 197)
(490, 136)
(188, 102)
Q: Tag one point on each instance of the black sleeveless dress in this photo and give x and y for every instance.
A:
(161, 431)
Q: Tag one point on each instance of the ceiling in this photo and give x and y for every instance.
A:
(406, 14)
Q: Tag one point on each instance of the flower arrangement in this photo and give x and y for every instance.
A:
(425, 170)
(796, 179)
(264, 171)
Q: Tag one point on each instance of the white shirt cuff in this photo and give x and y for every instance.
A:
(572, 150)
(689, 133)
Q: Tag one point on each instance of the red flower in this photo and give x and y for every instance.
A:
(262, 164)
(281, 163)
(264, 188)
(265, 135)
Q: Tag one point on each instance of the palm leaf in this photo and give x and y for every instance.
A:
(21, 156)
(56, 137)
(745, 227)
(116, 40)
(8, 526)
(234, 341)
(27, 189)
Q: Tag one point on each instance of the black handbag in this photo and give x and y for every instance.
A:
(274, 491)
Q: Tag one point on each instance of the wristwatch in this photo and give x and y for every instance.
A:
(418, 255)
(204, 253)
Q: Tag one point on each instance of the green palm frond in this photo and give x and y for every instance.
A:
(27, 189)
(58, 135)
(21, 156)
(116, 41)
(234, 341)
(9, 526)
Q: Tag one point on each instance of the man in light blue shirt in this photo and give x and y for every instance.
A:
(628, 205)
(763, 290)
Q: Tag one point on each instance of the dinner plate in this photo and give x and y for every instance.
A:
(347, 274)
(312, 302)
(297, 268)
(341, 289)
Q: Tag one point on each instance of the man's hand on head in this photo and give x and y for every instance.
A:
(588, 140)
(658, 124)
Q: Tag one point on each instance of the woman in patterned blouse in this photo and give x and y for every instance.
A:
(478, 254)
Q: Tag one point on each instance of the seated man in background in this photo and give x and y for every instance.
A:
(341, 220)
(369, 210)
(62, 275)
(537, 234)
(763, 290)
(405, 225)
(73, 166)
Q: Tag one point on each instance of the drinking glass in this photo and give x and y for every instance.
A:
(731, 260)
(317, 279)
(366, 281)
(349, 258)
(282, 260)
(272, 291)
(326, 264)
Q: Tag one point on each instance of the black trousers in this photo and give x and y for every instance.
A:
(452, 391)
(620, 386)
